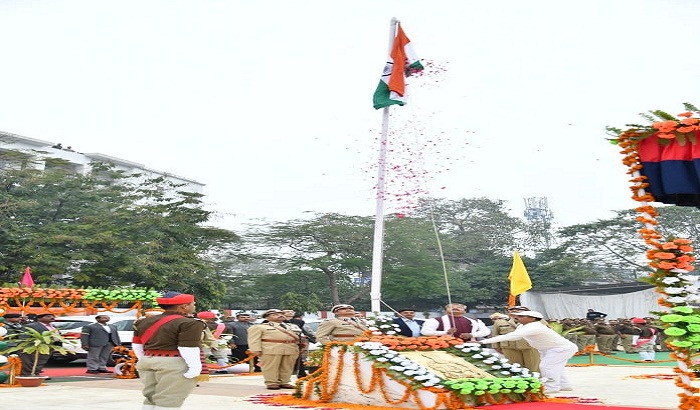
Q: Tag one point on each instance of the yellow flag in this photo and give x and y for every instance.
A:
(519, 279)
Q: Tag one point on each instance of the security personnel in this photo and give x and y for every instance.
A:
(605, 336)
(278, 346)
(345, 327)
(168, 349)
(212, 344)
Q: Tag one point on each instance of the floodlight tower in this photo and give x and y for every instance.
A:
(540, 217)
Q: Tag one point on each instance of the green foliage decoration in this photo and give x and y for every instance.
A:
(126, 294)
(36, 343)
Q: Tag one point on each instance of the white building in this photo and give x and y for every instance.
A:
(40, 151)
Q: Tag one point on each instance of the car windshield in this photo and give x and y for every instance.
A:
(69, 324)
(124, 324)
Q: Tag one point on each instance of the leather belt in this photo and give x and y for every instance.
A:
(279, 341)
(162, 353)
(345, 335)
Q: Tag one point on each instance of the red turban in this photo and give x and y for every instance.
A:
(206, 315)
(172, 298)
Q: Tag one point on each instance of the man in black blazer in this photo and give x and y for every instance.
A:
(408, 326)
(42, 324)
(98, 339)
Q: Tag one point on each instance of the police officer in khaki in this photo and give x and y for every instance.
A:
(277, 345)
(516, 351)
(345, 327)
(167, 347)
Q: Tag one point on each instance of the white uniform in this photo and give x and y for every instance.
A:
(554, 350)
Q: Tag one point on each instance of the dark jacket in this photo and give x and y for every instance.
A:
(95, 335)
(404, 330)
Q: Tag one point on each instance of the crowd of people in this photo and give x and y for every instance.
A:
(641, 335)
(173, 347)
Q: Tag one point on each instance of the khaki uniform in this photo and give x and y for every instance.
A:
(586, 337)
(279, 344)
(516, 351)
(605, 337)
(340, 330)
(162, 376)
(626, 332)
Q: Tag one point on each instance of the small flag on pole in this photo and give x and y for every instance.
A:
(27, 278)
(402, 63)
(519, 279)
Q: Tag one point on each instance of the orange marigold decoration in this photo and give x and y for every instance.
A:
(76, 301)
(387, 365)
(12, 368)
(671, 259)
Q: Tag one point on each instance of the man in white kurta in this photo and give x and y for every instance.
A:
(554, 349)
(456, 324)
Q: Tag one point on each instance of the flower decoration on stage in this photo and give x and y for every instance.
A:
(490, 361)
(512, 378)
(672, 263)
(401, 367)
(382, 325)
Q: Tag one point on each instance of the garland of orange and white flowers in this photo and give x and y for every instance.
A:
(672, 261)
(416, 378)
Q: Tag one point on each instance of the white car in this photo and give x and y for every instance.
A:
(71, 326)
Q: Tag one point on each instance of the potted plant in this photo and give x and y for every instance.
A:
(33, 342)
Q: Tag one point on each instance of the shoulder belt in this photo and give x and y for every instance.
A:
(219, 330)
(146, 336)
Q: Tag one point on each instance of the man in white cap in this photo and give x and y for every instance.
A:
(554, 349)
(516, 351)
(345, 327)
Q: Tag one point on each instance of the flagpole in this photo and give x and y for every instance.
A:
(378, 247)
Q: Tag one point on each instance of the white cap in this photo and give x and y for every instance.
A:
(530, 313)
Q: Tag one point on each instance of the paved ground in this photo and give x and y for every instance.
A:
(610, 384)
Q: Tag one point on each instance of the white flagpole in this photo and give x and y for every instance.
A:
(378, 248)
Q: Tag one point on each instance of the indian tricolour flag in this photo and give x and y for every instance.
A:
(402, 63)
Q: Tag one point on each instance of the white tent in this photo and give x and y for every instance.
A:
(562, 305)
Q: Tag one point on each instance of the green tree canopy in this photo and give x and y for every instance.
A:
(106, 228)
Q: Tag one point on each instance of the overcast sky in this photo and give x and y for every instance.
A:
(269, 102)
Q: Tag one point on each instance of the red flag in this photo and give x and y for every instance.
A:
(27, 278)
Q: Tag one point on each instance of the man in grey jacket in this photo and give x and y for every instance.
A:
(98, 339)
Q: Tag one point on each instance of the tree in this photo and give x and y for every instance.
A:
(301, 302)
(104, 229)
(413, 274)
(613, 248)
(475, 229)
(336, 245)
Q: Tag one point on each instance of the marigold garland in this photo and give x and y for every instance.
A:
(325, 384)
(66, 300)
(13, 366)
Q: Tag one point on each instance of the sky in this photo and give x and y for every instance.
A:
(269, 103)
